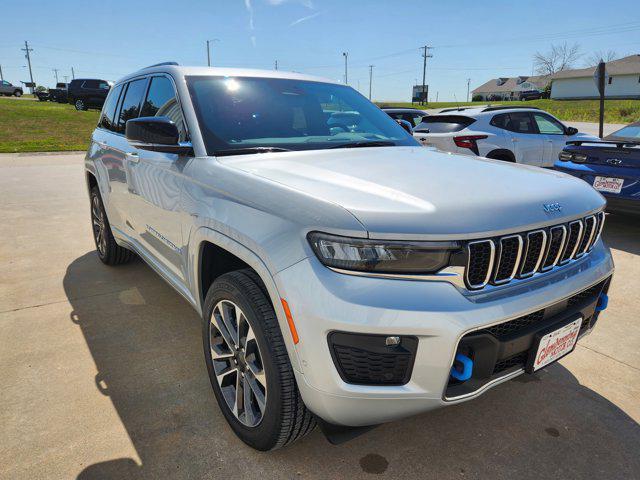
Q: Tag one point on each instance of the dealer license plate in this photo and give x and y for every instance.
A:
(608, 184)
(556, 344)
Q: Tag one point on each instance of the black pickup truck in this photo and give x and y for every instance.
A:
(59, 94)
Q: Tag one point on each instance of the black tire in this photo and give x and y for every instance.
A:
(80, 105)
(285, 418)
(17, 93)
(109, 252)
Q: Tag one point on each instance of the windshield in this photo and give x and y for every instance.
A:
(277, 114)
(630, 131)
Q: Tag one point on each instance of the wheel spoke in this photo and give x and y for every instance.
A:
(248, 408)
(219, 324)
(250, 336)
(221, 355)
(232, 327)
(239, 406)
(258, 394)
(258, 374)
(223, 374)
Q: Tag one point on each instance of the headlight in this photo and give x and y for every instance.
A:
(381, 256)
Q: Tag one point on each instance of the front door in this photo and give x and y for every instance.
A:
(155, 184)
(527, 145)
(554, 135)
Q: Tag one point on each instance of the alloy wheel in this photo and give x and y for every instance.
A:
(237, 363)
(99, 227)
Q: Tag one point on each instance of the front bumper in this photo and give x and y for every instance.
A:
(436, 313)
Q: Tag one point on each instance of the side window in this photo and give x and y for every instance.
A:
(109, 109)
(548, 125)
(500, 120)
(103, 85)
(90, 84)
(131, 103)
(520, 122)
(161, 101)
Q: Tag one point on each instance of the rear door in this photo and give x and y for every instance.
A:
(554, 136)
(155, 183)
(526, 143)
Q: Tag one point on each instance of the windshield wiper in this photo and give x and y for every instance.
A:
(371, 143)
(248, 150)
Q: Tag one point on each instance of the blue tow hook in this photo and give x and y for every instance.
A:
(462, 367)
(603, 302)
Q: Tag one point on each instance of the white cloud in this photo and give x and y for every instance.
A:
(306, 3)
(249, 7)
(304, 19)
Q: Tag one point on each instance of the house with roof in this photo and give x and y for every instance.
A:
(623, 81)
(509, 88)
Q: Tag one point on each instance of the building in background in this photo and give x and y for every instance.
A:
(623, 82)
(508, 88)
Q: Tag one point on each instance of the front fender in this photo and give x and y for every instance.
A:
(275, 291)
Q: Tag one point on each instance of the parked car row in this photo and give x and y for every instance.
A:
(531, 136)
(345, 275)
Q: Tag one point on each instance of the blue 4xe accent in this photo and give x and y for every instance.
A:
(467, 367)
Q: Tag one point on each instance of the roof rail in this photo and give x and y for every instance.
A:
(456, 109)
(505, 107)
(162, 64)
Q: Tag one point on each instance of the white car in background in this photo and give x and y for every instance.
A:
(522, 135)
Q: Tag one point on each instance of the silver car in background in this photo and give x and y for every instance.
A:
(345, 275)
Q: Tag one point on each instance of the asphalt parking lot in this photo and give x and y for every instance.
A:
(102, 375)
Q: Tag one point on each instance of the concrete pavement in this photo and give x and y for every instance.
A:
(102, 373)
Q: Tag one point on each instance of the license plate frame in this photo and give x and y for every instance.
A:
(543, 344)
(608, 184)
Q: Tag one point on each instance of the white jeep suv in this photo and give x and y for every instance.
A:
(523, 135)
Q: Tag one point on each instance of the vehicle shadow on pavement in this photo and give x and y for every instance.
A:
(622, 232)
(146, 344)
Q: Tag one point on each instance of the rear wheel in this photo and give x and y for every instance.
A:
(80, 105)
(17, 93)
(109, 252)
(248, 364)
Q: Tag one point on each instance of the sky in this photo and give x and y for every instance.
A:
(476, 40)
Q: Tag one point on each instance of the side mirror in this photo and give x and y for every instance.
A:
(157, 134)
(571, 131)
(406, 125)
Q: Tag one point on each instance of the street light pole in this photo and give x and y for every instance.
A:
(468, 83)
(370, 79)
(346, 57)
(55, 70)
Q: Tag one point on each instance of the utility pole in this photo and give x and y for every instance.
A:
(346, 57)
(1, 77)
(73, 74)
(370, 79)
(209, 50)
(276, 64)
(55, 70)
(425, 55)
(66, 77)
(27, 50)
(468, 83)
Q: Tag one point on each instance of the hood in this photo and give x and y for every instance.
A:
(416, 192)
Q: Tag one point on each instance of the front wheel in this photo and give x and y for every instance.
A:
(248, 364)
(17, 93)
(80, 105)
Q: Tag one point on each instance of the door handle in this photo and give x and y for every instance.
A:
(514, 140)
(102, 144)
(132, 157)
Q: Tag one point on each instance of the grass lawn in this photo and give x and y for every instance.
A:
(31, 126)
(615, 111)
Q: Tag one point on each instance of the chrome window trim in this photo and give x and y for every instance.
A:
(541, 255)
(560, 250)
(489, 268)
(599, 225)
(517, 262)
(575, 248)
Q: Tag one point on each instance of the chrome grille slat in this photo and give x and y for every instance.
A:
(546, 265)
(522, 255)
(508, 275)
(573, 241)
(529, 251)
(587, 237)
(487, 269)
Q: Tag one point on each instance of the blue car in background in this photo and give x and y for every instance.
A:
(610, 165)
